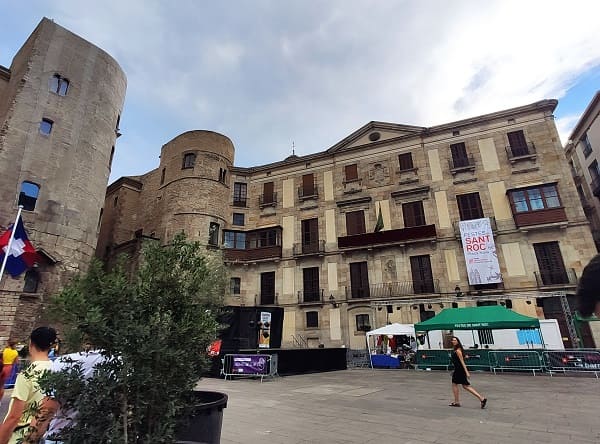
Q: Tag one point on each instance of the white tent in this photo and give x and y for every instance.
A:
(390, 330)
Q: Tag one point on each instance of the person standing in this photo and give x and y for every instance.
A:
(9, 359)
(27, 394)
(461, 374)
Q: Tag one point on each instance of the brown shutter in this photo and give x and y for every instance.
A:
(550, 263)
(469, 206)
(421, 274)
(311, 284)
(308, 185)
(355, 222)
(517, 142)
(267, 288)
(268, 192)
(359, 280)
(351, 172)
(413, 214)
(406, 162)
(459, 155)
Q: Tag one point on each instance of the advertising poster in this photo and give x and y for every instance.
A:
(249, 365)
(264, 330)
(480, 251)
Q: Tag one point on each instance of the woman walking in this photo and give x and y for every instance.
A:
(460, 375)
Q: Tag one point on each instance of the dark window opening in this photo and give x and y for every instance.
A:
(413, 214)
(310, 277)
(422, 275)
(550, 263)
(267, 288)
(362, 322)
(58, 85)
(235, 285)
(359, 280)
(517, 143)
(240, 194)
(469, 206)
(310, 235)
(189, 160)
(460, 158)
(213, 234)
(46, 126)
(238, 219)
(312, 319)
(162, 176)
(355, 222)
(32, 279)
(222, 175)
(28, 195)
(406, 161)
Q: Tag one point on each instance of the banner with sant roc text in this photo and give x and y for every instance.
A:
(480, 251)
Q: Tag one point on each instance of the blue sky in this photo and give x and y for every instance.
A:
(268, 73)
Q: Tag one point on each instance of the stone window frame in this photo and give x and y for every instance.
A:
(312, 319)
(58, 85)
(188, 161)
(46, 126)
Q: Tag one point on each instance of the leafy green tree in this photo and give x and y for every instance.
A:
(154, 324)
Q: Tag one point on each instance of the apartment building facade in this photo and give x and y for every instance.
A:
(60, 103)
(368, 231)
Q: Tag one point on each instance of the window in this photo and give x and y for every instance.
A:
(112, 154)
(351, 173)
(594, 170)
(240, 194)
(268, 196)
(406, 161)
(517, 143)
(28, 195)
(355, 222)
(263, 238)
(422, 275)
(308, 186)
(234, 285)
(587, 146)
(267, 288)
(32, 279)
(189, 160)
(310, 278)
(234, 239)
(359, 280)
(469, 206)
(213, 234)
(312, 319)
(310, 236)
(362, 322)
(115, 201)
(485, 336)
(550, 263)
(238, 219)
(413, 214)
(459, 155)
(222, 174)
(46, 126)
(535, 198)
(58, 85)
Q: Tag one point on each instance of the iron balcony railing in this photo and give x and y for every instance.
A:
(315, 247)
(461, 163)
(308, 192)
(555, 277)
(267, 200)
(311, 296)
(267, 298)
(393, 289)
(402, 235)
(240, 202)
(517, 151)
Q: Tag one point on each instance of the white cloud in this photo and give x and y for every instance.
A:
(267, 73)
(565, 126)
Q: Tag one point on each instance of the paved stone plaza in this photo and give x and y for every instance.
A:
(409, 407)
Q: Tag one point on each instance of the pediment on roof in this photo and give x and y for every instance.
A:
(375, 132)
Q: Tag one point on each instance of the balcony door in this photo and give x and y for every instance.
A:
(311, 284)
(359, 280)
(459, 155)
(422, 275)
(267, 288)
(550, 263)
(310, 236)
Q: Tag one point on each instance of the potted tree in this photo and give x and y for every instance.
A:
(153, 322)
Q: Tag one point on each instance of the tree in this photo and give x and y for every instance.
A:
(154, 324)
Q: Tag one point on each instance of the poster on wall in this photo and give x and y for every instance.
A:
(480, 251)
(264, 330)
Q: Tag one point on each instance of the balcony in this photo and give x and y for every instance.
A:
(305, 193)
(311, 248)
(595, 186)
(267, 200)
(267, 298)
(240, 202)
(314, 296)
(521, 152)
(549, 278)
(393, 289)
(252, 254)
(540, 217)
(461, 164)
(400, 236)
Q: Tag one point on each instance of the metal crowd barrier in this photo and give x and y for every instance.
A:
(519, 360)
(249, 365)
(357, 358)
(432, 359)
(580, 360)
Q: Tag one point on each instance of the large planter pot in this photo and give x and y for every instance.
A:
(203, 424)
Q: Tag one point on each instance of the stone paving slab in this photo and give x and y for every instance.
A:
(404, 406)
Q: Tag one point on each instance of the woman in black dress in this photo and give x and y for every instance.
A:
(460, 375)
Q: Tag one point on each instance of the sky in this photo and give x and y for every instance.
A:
(272, 74)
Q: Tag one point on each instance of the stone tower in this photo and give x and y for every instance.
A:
(60, 106)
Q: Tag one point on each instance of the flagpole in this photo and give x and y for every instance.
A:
(12, 236)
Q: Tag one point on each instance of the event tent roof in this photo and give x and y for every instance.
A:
(474, 318)
(393, 329)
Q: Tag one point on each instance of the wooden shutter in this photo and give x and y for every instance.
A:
(517, 143)
(413, 214)
(550, 263)
(310, 235)
(459, 155)
(469, 206)
(308, 185)
(267, 288)
(351, 172)
(406, 162)
(421, 274)
(359, 280)
(311, 284)
(355, 222)
(268, 192)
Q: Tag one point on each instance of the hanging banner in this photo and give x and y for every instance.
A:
(264, 330)
(480, 251)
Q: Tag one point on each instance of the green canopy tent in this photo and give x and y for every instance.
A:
(477, 318)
